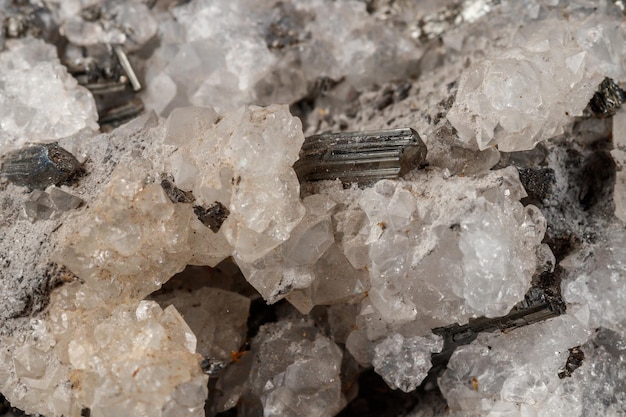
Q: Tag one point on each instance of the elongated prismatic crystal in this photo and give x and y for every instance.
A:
(360, 157)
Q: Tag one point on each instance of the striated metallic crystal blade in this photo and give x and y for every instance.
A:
(538, 305)
(360, 157)
(39, 166)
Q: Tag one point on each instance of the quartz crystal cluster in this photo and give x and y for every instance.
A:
(27, 115)
(186, 264)
(262, 198)
(527, 93)
(227, 53)
(619, 155)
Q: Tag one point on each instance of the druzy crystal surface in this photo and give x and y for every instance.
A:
(373, 207)
(58, 107)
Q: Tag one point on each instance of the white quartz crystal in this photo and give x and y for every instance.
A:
(243, 161)
(405, 362)
(39, 100)
(131, 238)
(599, 284)
(135, 231)
(111, 357)
(602, 375)
(528, 92)
(516, 373)
(308, 268)
(370, 270)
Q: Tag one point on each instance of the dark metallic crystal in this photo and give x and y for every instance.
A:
(39, 166)
(175, 194)
(607, 99)
(360, 157)
(574, 361)
(213, 216)
(539, 304)
(212, 366)
(115, 116)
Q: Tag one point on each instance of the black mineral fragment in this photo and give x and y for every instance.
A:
(39, 166)
(213, 216)
(175, 194)
(607, 99)
(574, 361)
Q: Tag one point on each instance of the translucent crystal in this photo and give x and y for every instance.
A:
(515, 371)
(133, 229)
(405, 362)
(216, 317)
(296, 371)
(599, 287)
(526, 93)
(619, 156)
(29, 114)
(306, 266)
(227, 54)
(262, 198)
(52, 202)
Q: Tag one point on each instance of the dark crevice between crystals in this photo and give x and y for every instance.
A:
(303, 107)
(598, 171)
(538, 183)
(376, 399)
(6, 410)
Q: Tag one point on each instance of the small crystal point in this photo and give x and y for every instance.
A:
(360, 157)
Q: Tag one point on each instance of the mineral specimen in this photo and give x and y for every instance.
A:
(50, 203)
(218, 261)
(405, 362)
(607, 99)
(218, 160)
(230, 53)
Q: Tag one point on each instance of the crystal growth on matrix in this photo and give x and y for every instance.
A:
(360, 157)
